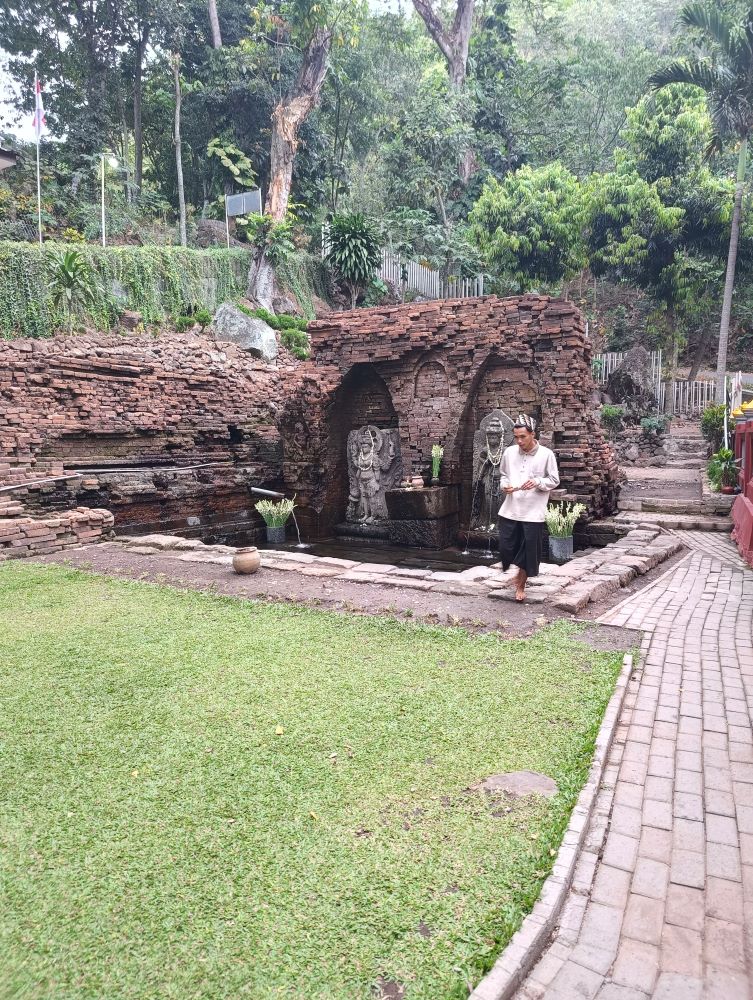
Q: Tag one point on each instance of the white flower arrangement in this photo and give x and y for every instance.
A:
(560, 519)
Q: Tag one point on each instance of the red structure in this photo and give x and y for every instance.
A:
(742, 510)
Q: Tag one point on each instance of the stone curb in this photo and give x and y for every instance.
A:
(534, 935)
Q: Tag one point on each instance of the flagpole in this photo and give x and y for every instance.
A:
(39, 178)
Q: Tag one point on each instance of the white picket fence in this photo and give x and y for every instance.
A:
(605, 364)
(426, 281)
(418, 278)
(690, 398)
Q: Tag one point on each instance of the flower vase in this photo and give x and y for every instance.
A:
(276, 534)
(560, 549)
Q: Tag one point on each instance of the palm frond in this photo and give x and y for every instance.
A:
(696, 72)
(711, 21)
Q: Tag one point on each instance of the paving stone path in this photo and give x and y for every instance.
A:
(662, 901)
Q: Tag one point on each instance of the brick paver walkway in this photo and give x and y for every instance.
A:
(662, 902)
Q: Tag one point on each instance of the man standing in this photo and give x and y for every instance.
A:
(528, 473)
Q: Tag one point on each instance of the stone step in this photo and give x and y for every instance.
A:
(686, 463)
(669, 521)
(662, 505)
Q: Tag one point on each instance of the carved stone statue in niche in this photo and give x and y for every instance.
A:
(489, 442)
(374, 466)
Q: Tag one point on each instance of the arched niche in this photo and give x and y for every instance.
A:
(362, 398)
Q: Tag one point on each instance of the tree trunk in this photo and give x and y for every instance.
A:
(214, 23)
(729, 281)
(138, 128)
(179, 151)
(700, 353)
(287, 118)
(454, 46)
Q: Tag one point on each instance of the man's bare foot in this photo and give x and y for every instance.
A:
(520, 592)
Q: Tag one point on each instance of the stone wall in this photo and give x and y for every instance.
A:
(445, 364)
(128, 412)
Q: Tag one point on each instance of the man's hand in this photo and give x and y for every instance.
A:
(529, 484)
(509, 489)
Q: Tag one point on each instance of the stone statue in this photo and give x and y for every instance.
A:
(489, 442)
(374, 466)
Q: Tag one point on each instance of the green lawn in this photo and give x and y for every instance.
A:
(209, 798)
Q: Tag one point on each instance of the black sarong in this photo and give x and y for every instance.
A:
(520, 544)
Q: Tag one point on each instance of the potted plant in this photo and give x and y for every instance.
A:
(560, 521)
(723, 470)
(437, 451)
(275, 514)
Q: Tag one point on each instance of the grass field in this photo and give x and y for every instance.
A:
(209, 798)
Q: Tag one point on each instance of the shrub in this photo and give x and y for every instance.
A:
(612, 416)
(655, 425)
(712, 425)
(296, 341)
(182, 323)
(355, 251)
(722, 468)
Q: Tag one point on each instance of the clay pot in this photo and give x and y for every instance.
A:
(435, 480)
(727, 490)
(246, 560)
(417, 482)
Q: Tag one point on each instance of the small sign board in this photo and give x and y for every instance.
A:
(248, 203)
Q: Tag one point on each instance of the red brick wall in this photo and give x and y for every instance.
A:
(448, 363)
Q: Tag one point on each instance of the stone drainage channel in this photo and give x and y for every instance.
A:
(587, 578)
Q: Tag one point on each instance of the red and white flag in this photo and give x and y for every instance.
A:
(40, 122)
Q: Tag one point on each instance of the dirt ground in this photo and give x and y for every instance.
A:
(475, 613)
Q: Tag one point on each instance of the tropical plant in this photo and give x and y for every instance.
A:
(712, 424)
(560, 518)
(275, 512)
(72, 285)
(726, 76)
(722, 468)
(354, 251)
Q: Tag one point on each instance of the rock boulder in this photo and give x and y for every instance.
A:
(248, 332)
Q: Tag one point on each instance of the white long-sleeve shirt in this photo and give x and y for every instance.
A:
(516, 468)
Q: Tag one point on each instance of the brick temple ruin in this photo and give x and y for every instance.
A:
(168, 434)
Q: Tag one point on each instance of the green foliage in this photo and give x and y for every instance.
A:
(354, 251)
(158, 282)
(72, 285)
(654, 426)
(145, 777)
(529, 228)
(612, 416)
(722, 468)
(234, 160)
(296, 341)
(182, 323)
(272, 239)
(712, 425)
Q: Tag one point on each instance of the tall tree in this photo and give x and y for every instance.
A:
(726, 76)
(214, 24)
(453, 43)
(310, 29)
(175, 65)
